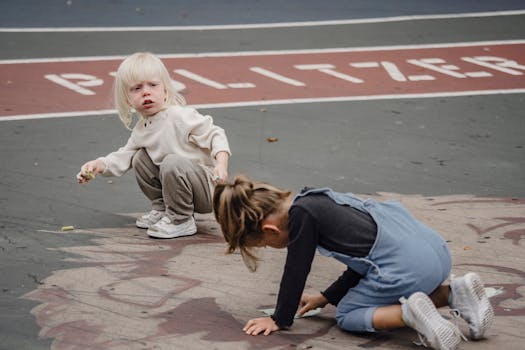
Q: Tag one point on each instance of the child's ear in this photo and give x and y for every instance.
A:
(270, 229)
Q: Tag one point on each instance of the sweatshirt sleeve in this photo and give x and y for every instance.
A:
(203, 133)
(119, 162)
(340, 287)
(301, 250)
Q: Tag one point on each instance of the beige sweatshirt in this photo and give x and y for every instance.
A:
(175, 130)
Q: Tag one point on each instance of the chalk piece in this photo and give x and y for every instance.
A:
(310, 313)
(68, 228)
(492, 292)
(89, 175)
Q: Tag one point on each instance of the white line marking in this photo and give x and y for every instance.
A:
(272, 52)
(264, 25)
(365, 65)
(481, 74)
(279, 102)
(200, 79)
(241, 85)
(89, 81)
(502, 66)
(329, 70)
(393, 71)
(59, 115)
(422, 77)
(430, 64)
(276, 76)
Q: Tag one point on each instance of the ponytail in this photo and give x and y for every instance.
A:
(240, 208)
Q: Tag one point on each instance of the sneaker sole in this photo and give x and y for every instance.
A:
(156, 234)
(444, 335)
(142, 225)
(474, 287)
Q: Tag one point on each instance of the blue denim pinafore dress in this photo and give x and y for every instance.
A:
(406, 257)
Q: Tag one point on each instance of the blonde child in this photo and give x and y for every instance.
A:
(396, 266)
(178, 155)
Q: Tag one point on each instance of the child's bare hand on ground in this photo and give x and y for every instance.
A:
(89, 170)
(264, 325)
(311, 302)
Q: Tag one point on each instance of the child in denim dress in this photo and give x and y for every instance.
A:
(396, 265)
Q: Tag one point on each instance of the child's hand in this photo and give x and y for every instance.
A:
(89, 170)
(311, 302)
(220, 172)
(265, 325)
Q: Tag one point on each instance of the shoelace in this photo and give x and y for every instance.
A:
(150, 214)
(423, 341)
(166, 220)
(456, 315)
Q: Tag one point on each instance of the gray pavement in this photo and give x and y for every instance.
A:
(100, 13)
(457, 162)
(408, 32)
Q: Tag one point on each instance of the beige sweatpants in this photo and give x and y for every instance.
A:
(178, 186)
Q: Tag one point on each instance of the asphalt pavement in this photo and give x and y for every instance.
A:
(457, 162)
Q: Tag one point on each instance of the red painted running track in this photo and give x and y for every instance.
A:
(84, 84)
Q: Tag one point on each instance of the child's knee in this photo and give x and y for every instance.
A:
(340, 319)
(357, 320)
(140, 159)
(175, 164)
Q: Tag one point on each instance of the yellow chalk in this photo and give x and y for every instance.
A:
(68, 228)
(89, 175)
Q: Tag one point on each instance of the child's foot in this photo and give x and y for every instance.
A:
(470, 299)
(149, 219)
(420, 314)
(165, 229)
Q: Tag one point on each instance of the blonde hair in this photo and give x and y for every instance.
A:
(240, 208)
(141, 66)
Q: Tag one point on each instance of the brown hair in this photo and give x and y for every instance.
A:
(240, 208)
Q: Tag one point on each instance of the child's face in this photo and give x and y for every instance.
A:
(147, 97)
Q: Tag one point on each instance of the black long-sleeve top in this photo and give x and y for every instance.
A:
(315, 220)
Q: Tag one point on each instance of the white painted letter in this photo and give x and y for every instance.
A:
(328, 69)
(200, 79)
(497, 63)
(436, 64)
(276, 76)
(83, 80)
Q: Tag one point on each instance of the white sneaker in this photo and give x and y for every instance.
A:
(149, 219)
(165, 229)
(471, 301)
(420, 314)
